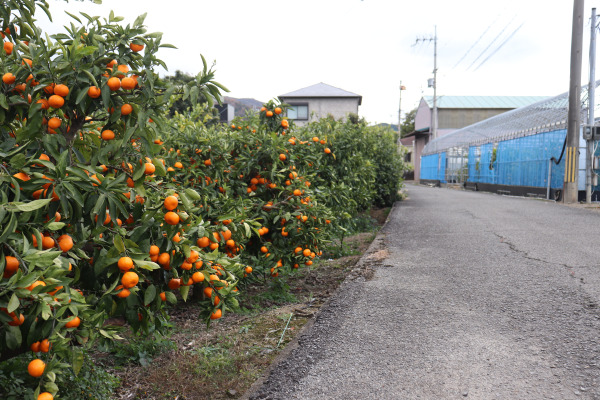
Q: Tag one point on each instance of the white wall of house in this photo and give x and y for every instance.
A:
(318, 108)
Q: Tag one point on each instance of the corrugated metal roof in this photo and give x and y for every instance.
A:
(508, 102)
(320, 90)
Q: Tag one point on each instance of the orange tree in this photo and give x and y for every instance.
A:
(92, 224)
(256, 185)
(359, 163)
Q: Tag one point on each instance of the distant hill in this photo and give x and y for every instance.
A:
(242, 105)
(391, 126)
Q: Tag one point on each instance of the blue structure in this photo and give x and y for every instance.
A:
(509, 153)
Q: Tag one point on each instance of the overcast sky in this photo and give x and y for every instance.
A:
(266, 48)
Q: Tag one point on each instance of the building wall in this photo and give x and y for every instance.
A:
(322, 107)
(422, 116)
(455, 118)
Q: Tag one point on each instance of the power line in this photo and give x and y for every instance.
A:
(491, 43)
(475, 44)
(499, 47)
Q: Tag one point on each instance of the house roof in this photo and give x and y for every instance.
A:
(407, 141)
(321, 90)
(508, 102)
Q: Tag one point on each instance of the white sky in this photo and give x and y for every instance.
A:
(266, 48)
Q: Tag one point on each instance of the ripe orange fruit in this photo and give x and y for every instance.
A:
(136, 47)
(44, 346)
(197, 277)
(285, 123)
(73, 322)
(269, 113)
(171, 218)
(216, 314)
(327, 150)
(54, 122)
(149, 168)
(126, 109)
(61, 90)
(282, 157)
(297, 192)
(123, 292)
(49, 89)
(154, 250)
(171, 203)
(125, 264)
(44, 103)
(174, 284)
(164, 259)
(16, 321)
(47, 242)
(35, 347)
(248, 269)
(45, 396)
(36, 368)
(208, 292)
(108, 135)
(94, 92)
(203, 242)
(163, 296)
(207, 162)
(178, 165)
(264, 249)
(65, 242)
(278, 110)
(8, 47)
(128, 83)
(55, 101)
(306, 252)
(12, 265)
(130, 279)
(9, 78)
(114, 83)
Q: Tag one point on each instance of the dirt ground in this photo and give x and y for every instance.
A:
(225, 360)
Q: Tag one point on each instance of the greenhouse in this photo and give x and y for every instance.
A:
(517, 152)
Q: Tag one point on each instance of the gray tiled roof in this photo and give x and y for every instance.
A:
(320, 90)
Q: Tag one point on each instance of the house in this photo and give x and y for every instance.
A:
(455, 112)
(409, 144)
(319, 101)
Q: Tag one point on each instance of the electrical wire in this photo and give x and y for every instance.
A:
(491, 43)
(499, 47)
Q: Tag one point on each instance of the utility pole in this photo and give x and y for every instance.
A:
(570, 185)
(591, 102)
(400, 110)
(434, 118)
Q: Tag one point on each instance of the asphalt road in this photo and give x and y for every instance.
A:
(474, 296)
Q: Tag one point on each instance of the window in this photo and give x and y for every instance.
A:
(298, 111)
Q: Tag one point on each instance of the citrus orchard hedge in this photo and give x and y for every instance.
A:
(110, 209)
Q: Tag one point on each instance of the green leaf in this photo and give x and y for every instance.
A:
(171, 298)
(149, 295)
(13, 303)
(46, 311)
(149, 265)
(27, 207)
(13, 337)
(184, 291)
(139, 172)
(118, 242)
(54, 226)
(192, 194)
(77, 360)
